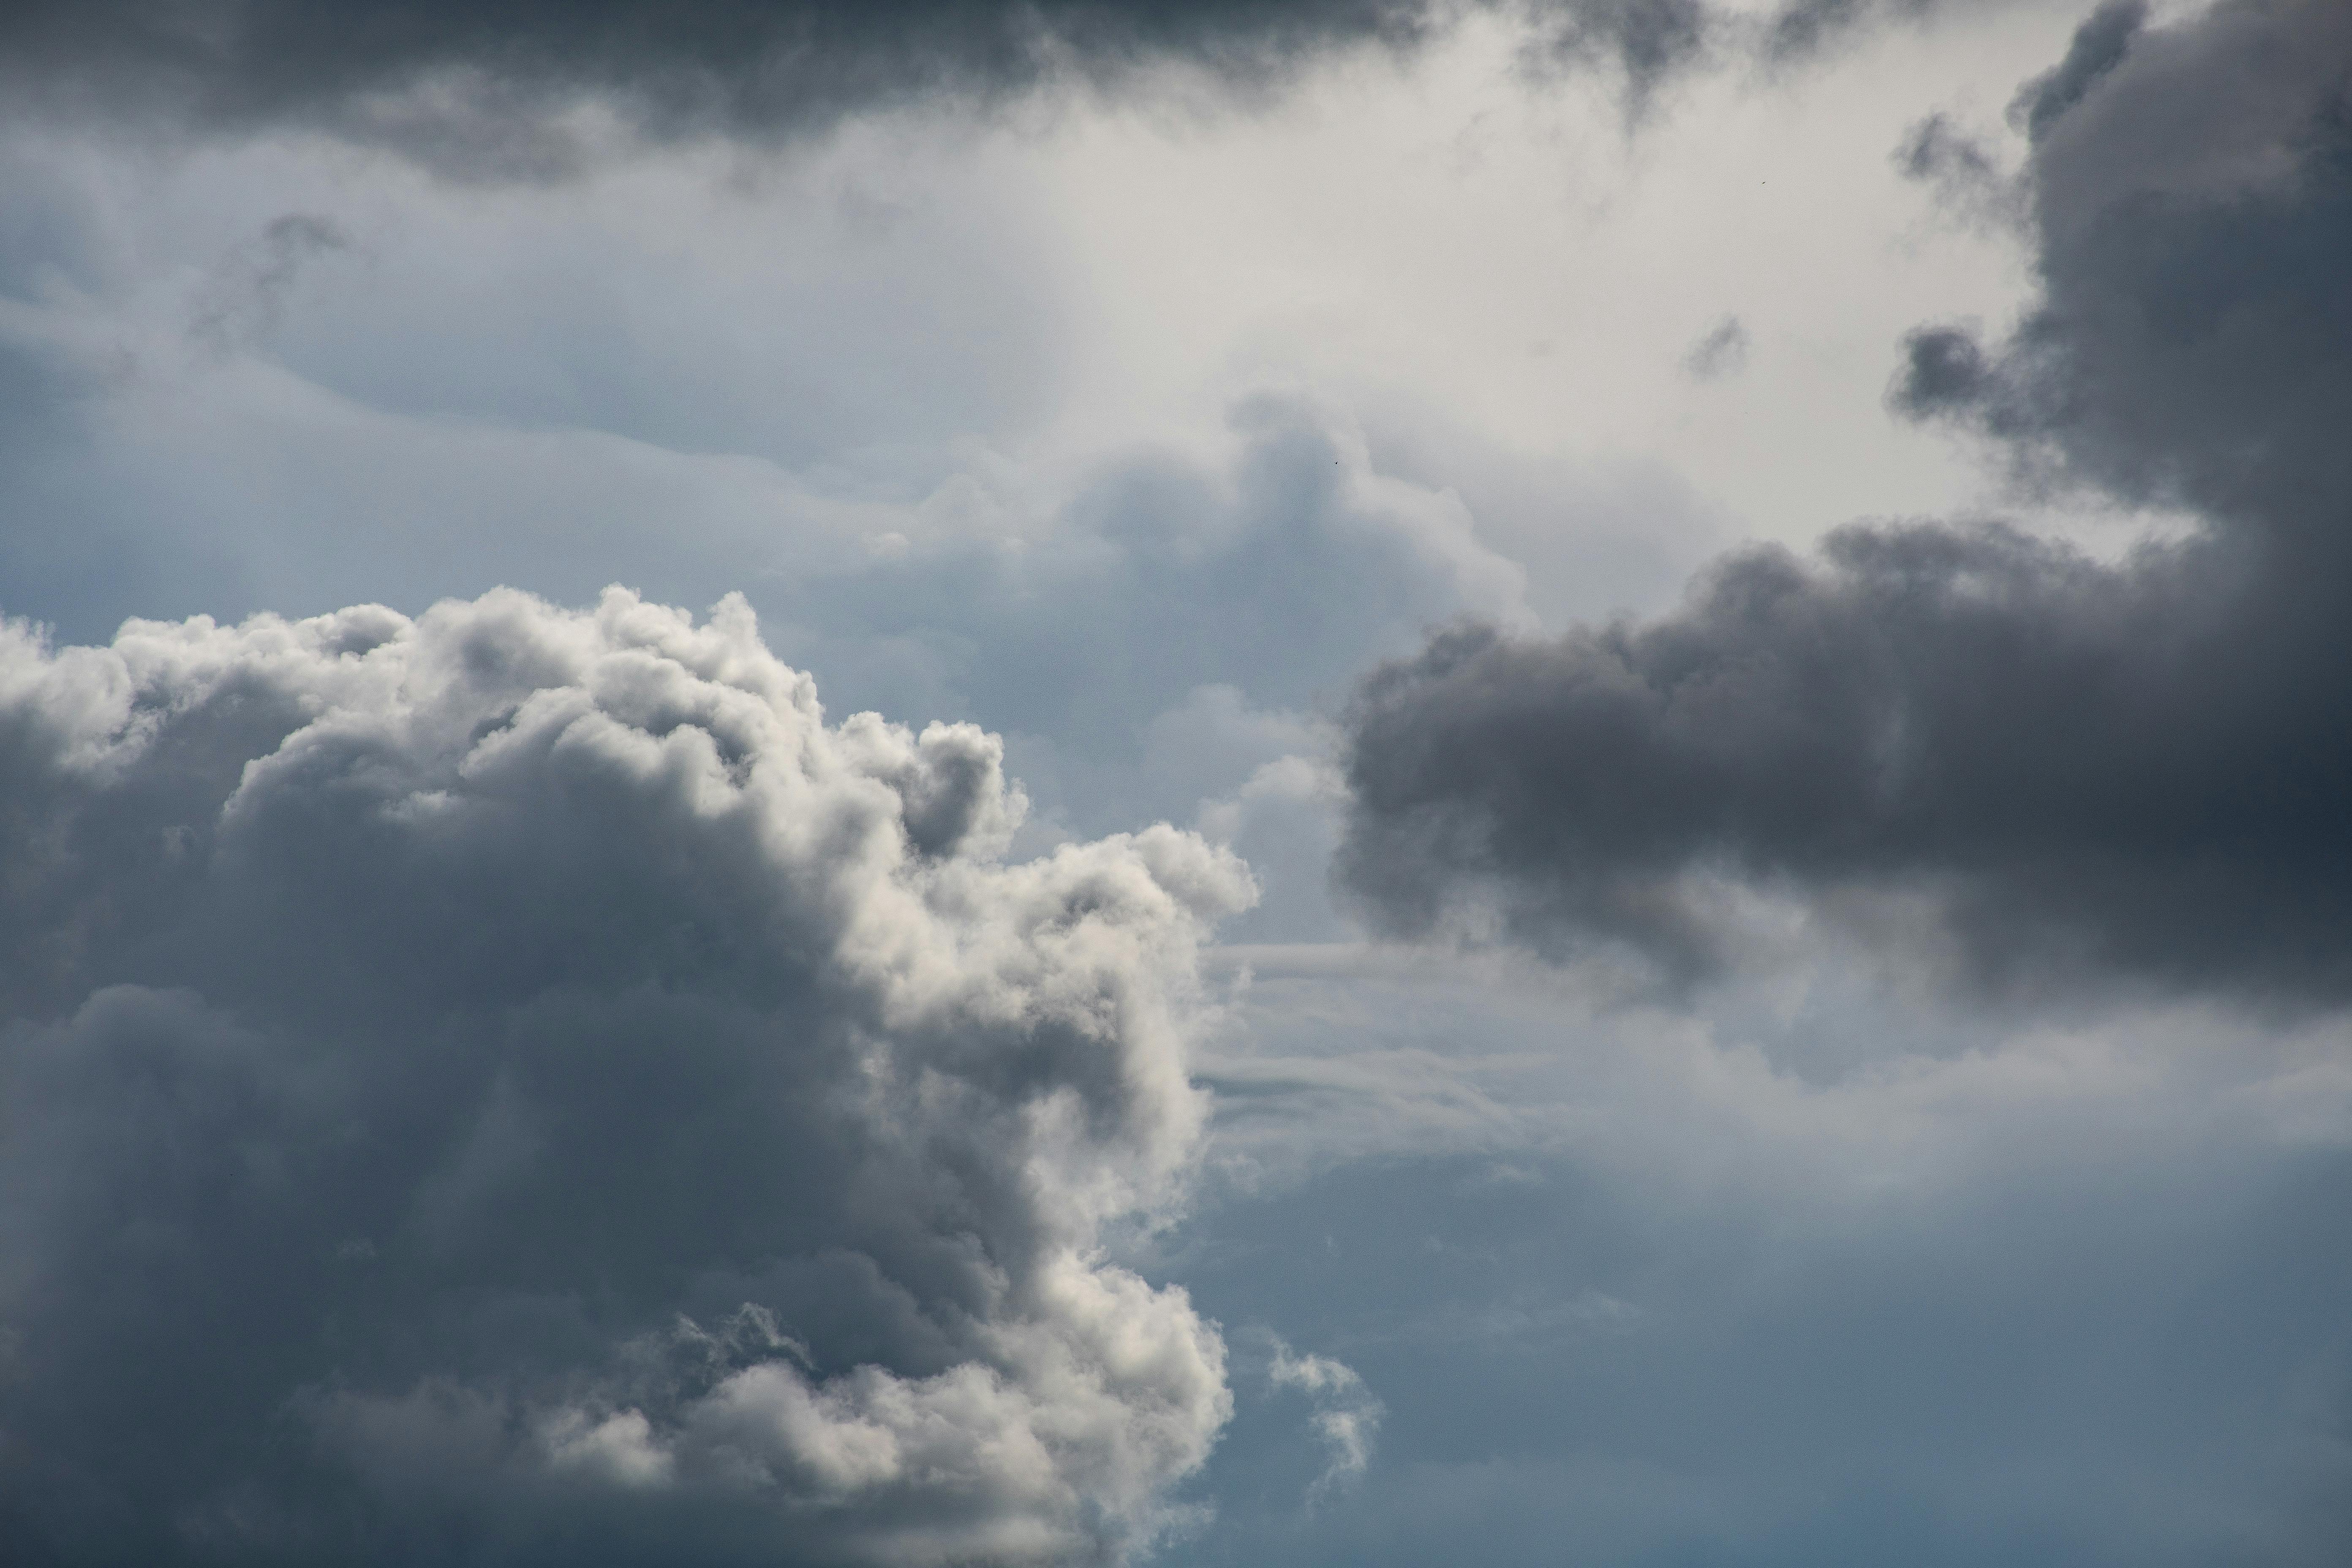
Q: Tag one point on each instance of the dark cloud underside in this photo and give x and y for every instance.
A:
(476, 86)
(481, 88)
(2141, 769)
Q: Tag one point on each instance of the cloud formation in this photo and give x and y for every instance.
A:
(1347, 1414)
(1646, 1285)
(1720, 351)
(484, 89)
(2083, 769)
(495, 90)
(519, 1085)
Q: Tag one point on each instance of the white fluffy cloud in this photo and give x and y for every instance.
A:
(518, 1082)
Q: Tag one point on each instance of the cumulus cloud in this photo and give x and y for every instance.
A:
(520, 1084)
(2084, 769)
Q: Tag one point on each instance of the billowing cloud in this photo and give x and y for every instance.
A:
(2077, 767)
(517, 1084)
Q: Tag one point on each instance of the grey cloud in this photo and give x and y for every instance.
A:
(1653, 43)
(1281, 573)
(1347, 1416)
(1937, 150)
(482, 89)
(2097, 48)
(248, 292)
(488, 90)
(2192, 345)
(1650, 41)
(1802, 27)
(515, 1085)
(2133, 769)
(1278, 562)
(1721, 351)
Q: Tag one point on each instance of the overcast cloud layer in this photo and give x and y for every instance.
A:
(517, 1085)
(2138, 769)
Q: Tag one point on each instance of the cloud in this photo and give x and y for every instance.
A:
(247, 295)
(1651, 45)
(1281, 568)
(498, 90)
(1720, 351)
(1064, 604)
(532, 90)
(1649, 41)
(2084, 769)
(1645, 1285)
(1962, 172)
(518, 1084)
(2098, 47)
(1347, 1414)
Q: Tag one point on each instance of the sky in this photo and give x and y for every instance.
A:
(946, 784)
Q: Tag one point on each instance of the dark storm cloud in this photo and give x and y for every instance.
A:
(2142, 768)
(482, 90)
(515, 1085)
(477, 85)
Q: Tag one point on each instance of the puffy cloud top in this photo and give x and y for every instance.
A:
(519, 1085)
